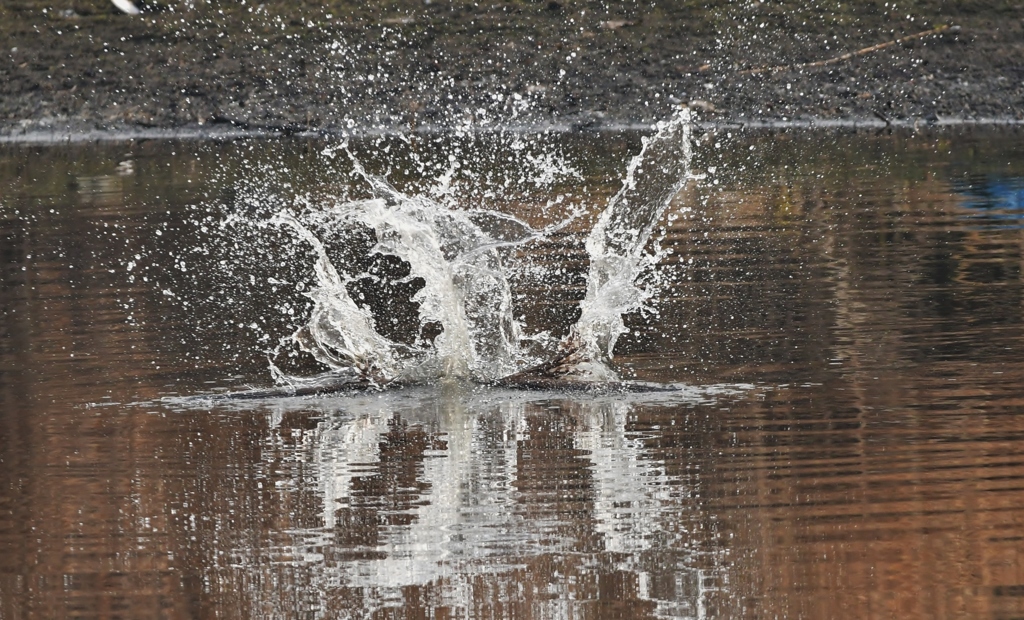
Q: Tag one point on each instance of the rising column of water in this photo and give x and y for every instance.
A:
(465, 289)
(340, 334)
(616, 248)
(457, 253)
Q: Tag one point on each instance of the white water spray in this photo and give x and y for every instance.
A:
(616, 245)
(460, 256)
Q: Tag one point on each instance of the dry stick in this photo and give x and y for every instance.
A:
(849, 55)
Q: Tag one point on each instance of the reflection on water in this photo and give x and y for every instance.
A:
(850, 445)
(995, 199)
(454, 494)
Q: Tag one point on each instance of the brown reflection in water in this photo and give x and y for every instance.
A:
(874, 471)
(781, 275)
(908, 505)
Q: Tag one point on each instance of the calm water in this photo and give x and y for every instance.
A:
(845, 311)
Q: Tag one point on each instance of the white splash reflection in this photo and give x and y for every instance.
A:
(439, 490)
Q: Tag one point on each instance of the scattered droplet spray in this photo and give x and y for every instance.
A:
(460, 255)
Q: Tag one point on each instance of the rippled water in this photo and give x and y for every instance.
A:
(844, 311)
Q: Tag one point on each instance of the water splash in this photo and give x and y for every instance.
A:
(461, 259)
(616, 248)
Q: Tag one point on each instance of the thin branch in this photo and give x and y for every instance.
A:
(849, 55)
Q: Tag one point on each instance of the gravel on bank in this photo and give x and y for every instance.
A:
(274, 66)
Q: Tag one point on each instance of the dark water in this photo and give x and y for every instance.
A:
(846, 310)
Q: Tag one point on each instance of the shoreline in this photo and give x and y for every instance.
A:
(198, 70)
(219, 133)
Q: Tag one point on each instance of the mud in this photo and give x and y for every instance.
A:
(78, 66)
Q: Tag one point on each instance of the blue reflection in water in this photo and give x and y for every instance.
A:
(999, 200)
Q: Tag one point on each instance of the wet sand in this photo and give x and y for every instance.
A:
(81, 66)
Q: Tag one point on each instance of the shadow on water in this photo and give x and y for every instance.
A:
(845, 439)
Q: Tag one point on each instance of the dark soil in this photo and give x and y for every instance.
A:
(74, 65)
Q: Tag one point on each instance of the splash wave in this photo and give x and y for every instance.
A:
(460, 258)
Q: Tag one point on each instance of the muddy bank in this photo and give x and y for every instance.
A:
(79, 65)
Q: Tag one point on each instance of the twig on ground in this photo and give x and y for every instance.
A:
(849, 55)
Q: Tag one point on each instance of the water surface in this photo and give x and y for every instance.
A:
(845, 310)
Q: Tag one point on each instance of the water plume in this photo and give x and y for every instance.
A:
(460, 256)
(616, 250)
